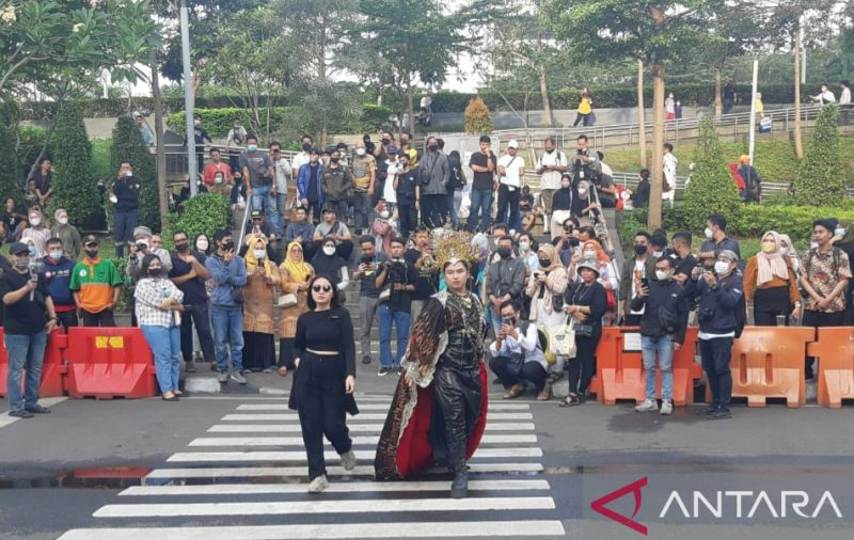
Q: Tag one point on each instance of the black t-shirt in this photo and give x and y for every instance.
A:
(482, 180)
(194, 289)
(400, 272)
(24, 317)
(686, 265)
(12, 219)
(313, 176)
(41, 181)
(368, 282)
(328, 331)
(406, 184)
(425, 280)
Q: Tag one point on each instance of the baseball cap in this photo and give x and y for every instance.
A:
(256, 214)
(513, 143)
(19, 247)
(90, 239)
(728, 254)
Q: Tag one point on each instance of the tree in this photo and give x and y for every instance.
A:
(477, 118)
(10, 185)
(654, 31)
(128, 146)
(711, 190)
(819, 182)
(74, 186)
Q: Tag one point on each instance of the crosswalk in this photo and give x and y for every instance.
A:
(246, 478)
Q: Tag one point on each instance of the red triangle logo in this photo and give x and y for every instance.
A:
(634, 488)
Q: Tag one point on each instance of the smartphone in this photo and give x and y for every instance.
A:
(644, 283)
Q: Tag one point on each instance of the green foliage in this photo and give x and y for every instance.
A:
(102, 169)
(477, 117)
(128, 146)
(203, 214)
(374, 116)
(74, 186)
(819, 181)
(711, 190)
(9, 178)
(31, 140)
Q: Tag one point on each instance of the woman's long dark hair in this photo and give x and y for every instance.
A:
(312, 305)
(146, 262)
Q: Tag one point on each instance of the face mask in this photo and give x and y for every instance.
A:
(91, 253)
(228, 246)
(433, 147)
(769, 247)
(384, 214)
(385, 141)
(56, 254)
(589, 254)
(306, 147)
(640, 249)
(582, 192)
(504, 252)
(155, 272)
(35, 222)
(708, 232)
(524, 246)
(259, 254)
(545, 263)
(662, 275)
(128, 173)
(839, 231)
(183, 246)
(252, 147)
(218, 179)
(329, 250)
(22, 263)
(657, 254)
(360, 151)
(63, 220)
(334, 160)
(813, 245)
(721, 268)
(573, 241)
(202, 245)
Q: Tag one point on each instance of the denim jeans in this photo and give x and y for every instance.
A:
(262, 199)
(481, 203)
(508, 207)
(361, 203)
(453, 204)
(658, 351)
(124, 223)
(165, 343)
(26, 352)
(401, 320)
(228, 334)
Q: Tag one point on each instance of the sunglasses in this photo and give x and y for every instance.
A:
(319, 288)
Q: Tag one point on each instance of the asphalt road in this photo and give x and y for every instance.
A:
(230, 466)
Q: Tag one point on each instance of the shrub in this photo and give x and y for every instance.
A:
(711, 190)
(374, 116)
(74, 186)
(820, 179)
(128, 146)
(10, 185)
(477, 117)
(205, 213)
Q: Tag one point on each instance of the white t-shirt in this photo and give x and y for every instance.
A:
(639, 266)
(551, 179)
(389, 194)
(283, 171)
(670, 163)
(513, 173)
(845, 97)
(301, 159)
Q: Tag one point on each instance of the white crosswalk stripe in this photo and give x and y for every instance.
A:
(223, 477)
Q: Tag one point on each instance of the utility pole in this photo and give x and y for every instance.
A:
(753, 109)
(192, 166)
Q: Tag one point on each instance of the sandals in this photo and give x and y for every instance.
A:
(514, 391)
(572, 400)
(546, 393)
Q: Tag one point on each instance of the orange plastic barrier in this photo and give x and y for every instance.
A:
(107, 363)
(53, 369)
(834, 352)
(768, 362)
(621, 374)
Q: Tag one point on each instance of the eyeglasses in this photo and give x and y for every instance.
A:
(319, 288)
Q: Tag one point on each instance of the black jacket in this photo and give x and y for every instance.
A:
(593, 296)
(126, 190)
(666, 310)
(717, 306)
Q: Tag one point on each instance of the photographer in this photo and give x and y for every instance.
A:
(228, 273)
(517, 357)
(369, 293)
(29, 319)
(398, 278)
(585, 164)
(664, 316)
(125, 196)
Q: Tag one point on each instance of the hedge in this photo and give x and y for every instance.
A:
(205, 213)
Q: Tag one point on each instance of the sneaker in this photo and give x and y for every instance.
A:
(401, 370)
(720, 414)
(222, 377)
(267, 370)
(238, 378)
(384, 371)
(366, 360)
(21, 413)
(707, 411)
(348, 460)
(190, 367)
(319, 484)
(647, 405)
(38, 409)
(666, 407)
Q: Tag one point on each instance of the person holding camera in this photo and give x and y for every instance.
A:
(397, 277)
(585, 164)
(663, 319)
(517, 357)
(96, 285)
(125, 197)
(29, 319)
(369, 293)
(158, 309)
(259, 295)
(189, 274)
(229, 277)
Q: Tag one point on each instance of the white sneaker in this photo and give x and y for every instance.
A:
(666, 407)
(348, 460)
(647, 406)
(318, 484)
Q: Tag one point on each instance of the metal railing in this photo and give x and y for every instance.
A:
(630, 180)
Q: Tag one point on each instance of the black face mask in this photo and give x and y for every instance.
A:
(433, 147)
(182, 247)
(334, 160)
(155, 272)
(386, 141)
(545, 263)
(306, 147)
(504, 252)
(228, 246)
(640, 249)
(91, 253)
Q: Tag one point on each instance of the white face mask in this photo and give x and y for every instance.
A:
(35, 222)
(218, 179)
(202, 245)
(259, 254)
(813, 245)
(360, 151)
(589, 254)
(329, 250)
(63, 220)
(657, 254)
(721, 268)
(56, 255)
(384, 214)
(128, 173)
(524, 246)
(708, 232)
(252, 147)
(582, 192)
(662, 275)
(839, 231)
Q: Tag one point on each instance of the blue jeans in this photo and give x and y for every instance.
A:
(658, 351)
(452, 208)
(165, 343)
(262, 199)
(26, 352)
(401, 320)
(481, 203)
(228, 334)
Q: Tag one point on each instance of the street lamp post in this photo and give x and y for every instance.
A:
(192, 166)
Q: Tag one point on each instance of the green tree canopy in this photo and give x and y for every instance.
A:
(74, 186)
(820, 181)
(711, 190)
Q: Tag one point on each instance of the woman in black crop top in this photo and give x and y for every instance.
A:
(325, 379)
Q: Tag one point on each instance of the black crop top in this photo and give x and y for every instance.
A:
(327, 331)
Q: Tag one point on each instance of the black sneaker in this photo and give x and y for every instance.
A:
(190, 367)
(720, 414)
(38, 409)
(366, 360)
(401, 370)
(22, 413)
(384, 371)
(707, 411)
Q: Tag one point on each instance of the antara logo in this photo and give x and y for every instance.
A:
(635, 489)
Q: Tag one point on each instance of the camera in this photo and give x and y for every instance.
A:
(142, 245)
(508, 321)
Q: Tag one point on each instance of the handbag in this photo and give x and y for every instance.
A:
(385, 295)
(288, 300)
(562, 340)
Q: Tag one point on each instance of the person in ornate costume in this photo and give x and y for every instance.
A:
(438, 412)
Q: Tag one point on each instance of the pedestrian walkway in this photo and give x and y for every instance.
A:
(246, 478)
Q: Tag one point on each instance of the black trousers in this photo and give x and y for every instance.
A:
(457, 393)
(583, 367)
(508, 207)
(68, 319)
(286, 353)
(200, 317)
(434, 210)
(314, 208)
(321, 408)
(408, 219)
(532, 372)
(716, 354)
(102, 318)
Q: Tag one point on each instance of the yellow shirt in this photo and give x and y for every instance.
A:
(585, 107)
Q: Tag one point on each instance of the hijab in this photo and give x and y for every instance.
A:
(601, 256)
(296, 267)
(551, 253)
(252, 262)
(327, 265)
(771, 265)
